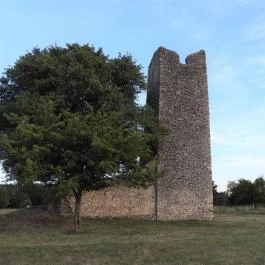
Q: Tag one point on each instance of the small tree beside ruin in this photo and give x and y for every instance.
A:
(69, 118)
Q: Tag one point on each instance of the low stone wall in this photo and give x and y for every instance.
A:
(118, 201)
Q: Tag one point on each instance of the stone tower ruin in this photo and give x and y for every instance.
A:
(179, 95)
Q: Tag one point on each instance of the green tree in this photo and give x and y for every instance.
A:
(219, 198)
(16, 196)
(37, 192)
(215, 194)
(4, 198)
(259, 184)
(241, 192)
(70, 119)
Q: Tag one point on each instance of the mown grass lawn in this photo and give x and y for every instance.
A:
(31, 236)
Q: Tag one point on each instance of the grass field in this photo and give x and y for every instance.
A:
(31, 236)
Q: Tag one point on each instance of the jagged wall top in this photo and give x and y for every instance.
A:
(197, 58)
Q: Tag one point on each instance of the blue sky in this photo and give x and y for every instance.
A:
(231, 31)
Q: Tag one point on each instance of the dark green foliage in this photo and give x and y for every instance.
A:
(4, 198)
(219, 198)
(127, 76)
(70, 119)
(17, 196)
(222, 199)
(25, 203)
(215, 194)
(37, 192)
(242, 192)
(245, 192)
(74, 76)
(259, 184)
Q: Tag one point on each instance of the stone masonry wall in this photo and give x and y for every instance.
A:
(118, 201)
(179, 93)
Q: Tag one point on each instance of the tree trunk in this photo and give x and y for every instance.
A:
(78, 197)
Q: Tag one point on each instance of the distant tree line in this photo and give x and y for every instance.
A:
(241, 192)
(21, 196)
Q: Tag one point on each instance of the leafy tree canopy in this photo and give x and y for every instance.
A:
(246, 192)
(68, 117)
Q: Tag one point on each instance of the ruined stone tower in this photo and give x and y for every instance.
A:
(179, 95)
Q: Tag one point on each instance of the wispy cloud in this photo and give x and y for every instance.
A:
(255, 60)
(240, 141)
(182, 25)
(256, 67)
(244, 2)
(248, 166)
(218, 139)
(238, 145)
(245, 161)
(257, 30)
(161, 7)
(255, 141)
(225, 77)
(254, 3)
